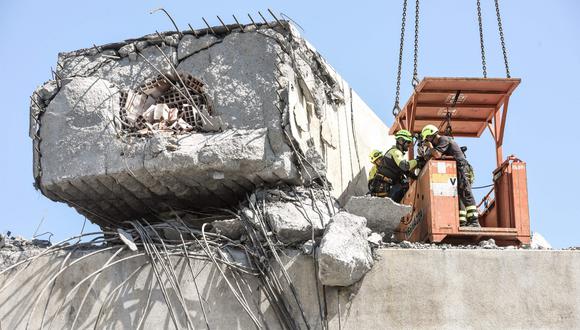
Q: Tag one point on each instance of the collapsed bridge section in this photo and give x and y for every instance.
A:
(196, 120)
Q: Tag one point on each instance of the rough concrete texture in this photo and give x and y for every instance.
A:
(231, 228)
(16, 249)
(408, 289)
(297, 221)
(382, 214)
(344, 256)
(288, 115)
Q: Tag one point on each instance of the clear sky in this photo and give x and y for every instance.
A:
(360, 40)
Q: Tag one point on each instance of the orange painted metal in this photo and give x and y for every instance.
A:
(511, 198)
(478, 101)
(472, 105)
(433, 195)
(435, 213)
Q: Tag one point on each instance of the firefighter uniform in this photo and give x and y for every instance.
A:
(387, 178)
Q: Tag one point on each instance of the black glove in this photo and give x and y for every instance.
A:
(420, 162)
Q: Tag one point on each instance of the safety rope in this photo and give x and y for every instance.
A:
(396, 107)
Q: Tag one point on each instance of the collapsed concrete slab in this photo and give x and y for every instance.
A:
(182, 121)
(382, 214)
(344, 256)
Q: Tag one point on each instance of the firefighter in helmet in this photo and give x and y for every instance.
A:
(388, 177)
(439, 145)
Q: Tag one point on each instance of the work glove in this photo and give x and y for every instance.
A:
(420, 162)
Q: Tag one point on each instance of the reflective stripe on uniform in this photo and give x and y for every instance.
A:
(462, 216)
(471, 211)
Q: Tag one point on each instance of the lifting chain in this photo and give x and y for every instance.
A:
(396, 107)
(500, 27)
(415, 80)
(484, 67)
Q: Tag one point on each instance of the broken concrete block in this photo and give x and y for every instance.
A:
(296, 222)
(308, 247)
(172, 116)
(160, 112)
(149, 114)
(488, 244)
(344, 256)
(375, 239)
(247, 91)
(181, 125)
(126, 50)
(231, 228)
(135, 102)
(382, 214)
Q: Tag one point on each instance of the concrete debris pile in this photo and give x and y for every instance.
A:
(15, 248)
(484, 244)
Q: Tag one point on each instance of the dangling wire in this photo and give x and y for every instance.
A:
(503, 48)
(396, 107)
(484, 67)
(415, 80)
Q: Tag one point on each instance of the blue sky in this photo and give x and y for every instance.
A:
(360, 40)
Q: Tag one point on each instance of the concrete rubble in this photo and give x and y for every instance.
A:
(14, 249)
(298, 215)
(382, 214)
(344, 256)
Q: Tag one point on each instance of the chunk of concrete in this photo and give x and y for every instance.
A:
(382, 214)
(231, 228)
(91, 159)
(297, 221)
(345, 255)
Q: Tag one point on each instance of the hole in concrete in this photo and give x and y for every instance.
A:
(173, 103)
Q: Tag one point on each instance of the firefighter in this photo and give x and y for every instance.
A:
(388, 175)
(437, 146)
(378, 184)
